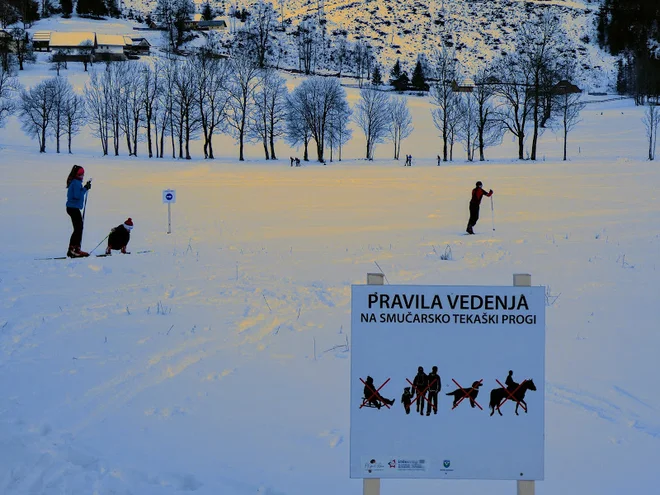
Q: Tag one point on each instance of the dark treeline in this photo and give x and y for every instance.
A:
(630, 29)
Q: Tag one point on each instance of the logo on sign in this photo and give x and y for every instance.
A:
(169, 196)
(446, 463)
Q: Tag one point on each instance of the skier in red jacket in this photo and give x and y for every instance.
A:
(477, 194)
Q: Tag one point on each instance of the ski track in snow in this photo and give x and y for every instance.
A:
(610, 410)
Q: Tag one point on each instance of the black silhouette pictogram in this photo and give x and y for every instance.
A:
(498, 396)
(471, 393)
(372, 397)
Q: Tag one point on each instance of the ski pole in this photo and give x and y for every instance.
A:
(492, 213)
(85, 211)
(99, 243)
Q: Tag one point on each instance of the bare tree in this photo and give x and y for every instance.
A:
(112, 87)
(261, 24)
(150, 81)
(186, 107)
(401, 126)
(167, 103)
(516, 101)
(445, 73)
(97, 105)
(22, 47)
(341, 54)
(8, 86)
(74, 116)
(466, 124)
(568, 107)
(37, 106)
(307, 45)
(211, 95)
(267, 121)
(338, 131)
(372, 115)
(652, 121)
(62, 91)
(538, 54)
(297, 128)
(133, 91)
(363, 61)
(315, 99)
(242, 84)
(489, 132)
(86, 51)
(173, 16)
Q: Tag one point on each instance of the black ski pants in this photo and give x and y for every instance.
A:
(474, 214)
(76, 220)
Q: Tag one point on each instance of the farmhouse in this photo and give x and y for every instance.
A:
(140, 46)
(214, 25)
(74, 45)
(41, 41)
(111, 46)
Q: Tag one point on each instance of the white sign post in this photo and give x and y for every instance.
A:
(169, 197)
(447, 382)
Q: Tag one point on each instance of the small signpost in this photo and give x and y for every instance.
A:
(169, 197)
(476, 336)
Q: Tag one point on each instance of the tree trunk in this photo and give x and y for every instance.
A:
(187, 136)
(156, 138)
(521, 146)
(264, 141)
(536, 119)
(149, 136)
(272, 141)
(69, 141)
(211, 157)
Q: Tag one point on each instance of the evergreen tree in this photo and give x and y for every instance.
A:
(207, 12)
(67, 8)
(112, 8)
(395, 73)
(376, 78)
(418, 80)
(402, 83)
(621, 79)
(399, 79)
(92, 8)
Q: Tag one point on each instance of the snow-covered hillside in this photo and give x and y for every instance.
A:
(478, 30)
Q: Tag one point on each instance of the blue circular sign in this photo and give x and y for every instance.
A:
(169, 196)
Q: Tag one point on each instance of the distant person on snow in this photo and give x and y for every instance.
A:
(477, 194)
(119, 237)
(75, 199)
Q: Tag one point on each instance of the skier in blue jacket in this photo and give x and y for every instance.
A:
(75, 200)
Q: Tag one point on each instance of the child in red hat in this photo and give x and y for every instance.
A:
(119, 237)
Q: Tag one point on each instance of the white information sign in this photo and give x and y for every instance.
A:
(169, 196)
(468, 349)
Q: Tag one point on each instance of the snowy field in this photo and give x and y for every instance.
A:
(217, 363)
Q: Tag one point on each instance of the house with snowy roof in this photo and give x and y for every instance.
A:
(76, 44)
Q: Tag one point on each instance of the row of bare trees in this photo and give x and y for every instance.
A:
(522, 93)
